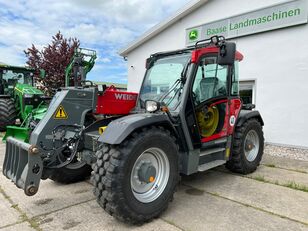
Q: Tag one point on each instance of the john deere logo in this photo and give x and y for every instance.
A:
(193, 34)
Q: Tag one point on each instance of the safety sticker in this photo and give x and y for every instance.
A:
(60, 113)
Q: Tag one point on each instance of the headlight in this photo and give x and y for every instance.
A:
(151, 105)
(28, 96)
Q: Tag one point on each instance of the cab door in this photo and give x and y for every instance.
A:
(215, 99)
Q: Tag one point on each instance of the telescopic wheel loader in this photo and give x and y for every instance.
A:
(188, 118)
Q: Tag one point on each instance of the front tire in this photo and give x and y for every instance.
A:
(8, 113)
(135, 181)
(247, 148)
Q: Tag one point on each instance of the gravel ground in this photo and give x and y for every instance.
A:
(287, 152)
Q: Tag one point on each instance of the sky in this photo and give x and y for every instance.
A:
(103, 25)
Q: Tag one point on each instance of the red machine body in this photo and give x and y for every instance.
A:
(115, 102)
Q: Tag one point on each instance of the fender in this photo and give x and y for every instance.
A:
(248, 114)
(119, 129)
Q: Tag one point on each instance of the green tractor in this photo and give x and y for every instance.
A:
(19, 100)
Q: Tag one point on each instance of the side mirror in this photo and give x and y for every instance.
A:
(42, 73)
(226, 54)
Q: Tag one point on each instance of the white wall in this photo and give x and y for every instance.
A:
(278, 60)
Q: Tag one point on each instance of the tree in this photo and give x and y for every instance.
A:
(53, 59)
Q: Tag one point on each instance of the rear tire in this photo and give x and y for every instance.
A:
(71, 173)
(114, 174)
(247, 148)
(8, 113)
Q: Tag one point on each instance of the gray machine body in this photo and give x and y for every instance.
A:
(119, 129)
(75, 102)
(24, 163)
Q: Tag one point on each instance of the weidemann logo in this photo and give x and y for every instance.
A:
(122, 96)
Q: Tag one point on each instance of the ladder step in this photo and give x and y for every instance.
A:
(214, 142)
(210, 165)
(211, 151)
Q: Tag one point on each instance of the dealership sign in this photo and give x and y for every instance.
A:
(266, 19)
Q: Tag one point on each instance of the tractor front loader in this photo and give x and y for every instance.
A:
(188, 118)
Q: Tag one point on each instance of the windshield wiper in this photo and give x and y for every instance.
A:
(182, 80)
(175, 84)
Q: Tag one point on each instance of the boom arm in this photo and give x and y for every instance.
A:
(81, 64)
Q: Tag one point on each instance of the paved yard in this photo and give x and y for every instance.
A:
(275, 197)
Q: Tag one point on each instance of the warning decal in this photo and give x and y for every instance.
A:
(60, 113)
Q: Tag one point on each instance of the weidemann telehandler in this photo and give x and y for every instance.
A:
(188, 118)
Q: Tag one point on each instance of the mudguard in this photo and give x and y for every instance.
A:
(120, 128)
(248, 114)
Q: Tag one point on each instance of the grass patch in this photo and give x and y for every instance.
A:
(259, 178)
(290, 184)
(14, 206)
(296, 186)
(7, 197)
(270, 165)
(34, 224)
(288, 169)
(23, 216)
(300, 171)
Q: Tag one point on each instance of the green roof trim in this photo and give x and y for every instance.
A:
(5, 66)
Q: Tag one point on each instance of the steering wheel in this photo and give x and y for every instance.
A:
(83, 83)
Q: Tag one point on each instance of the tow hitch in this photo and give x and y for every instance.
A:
(23, 165)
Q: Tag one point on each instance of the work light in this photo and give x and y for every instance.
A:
(151, 106)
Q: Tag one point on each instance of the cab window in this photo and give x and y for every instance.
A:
(210, 80)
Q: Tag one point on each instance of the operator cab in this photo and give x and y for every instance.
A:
(10, 76)
(199, 85)
(214, 101)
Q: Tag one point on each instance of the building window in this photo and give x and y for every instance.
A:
(247, 92)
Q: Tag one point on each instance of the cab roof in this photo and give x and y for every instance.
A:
(11, 67)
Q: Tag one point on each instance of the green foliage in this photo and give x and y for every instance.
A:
(53, 58)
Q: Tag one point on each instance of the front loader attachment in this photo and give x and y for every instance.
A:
(23, 165)
(20, 133)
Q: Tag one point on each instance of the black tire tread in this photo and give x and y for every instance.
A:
(236, 163)
(8, 113)
(65, 175)
(106, 174)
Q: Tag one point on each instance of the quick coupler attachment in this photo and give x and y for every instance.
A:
(23, 165)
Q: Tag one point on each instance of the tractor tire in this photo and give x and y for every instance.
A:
(125, 183)
(8, 113)
(247, 148)
(71, 173)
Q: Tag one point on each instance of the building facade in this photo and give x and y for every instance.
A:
(272, 35)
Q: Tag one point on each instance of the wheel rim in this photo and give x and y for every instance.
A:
(251, 145)
(208, 121)
(147, 192)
